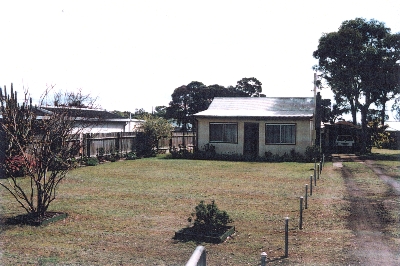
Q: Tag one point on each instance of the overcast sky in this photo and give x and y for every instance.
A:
(133, 54)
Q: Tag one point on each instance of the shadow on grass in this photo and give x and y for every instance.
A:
(29, 219)
(197, 242)
(276, 259)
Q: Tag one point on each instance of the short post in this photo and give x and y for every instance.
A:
(198, 257)
(315, 167)
(286, 237)
(315, 179)
(323, 160)
(305, 197)
(318, 167)
(301, 214)
(311, 185)
(263, 259)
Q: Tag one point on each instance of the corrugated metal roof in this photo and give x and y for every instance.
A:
(393, 125)
(82, 112)
(260, 107)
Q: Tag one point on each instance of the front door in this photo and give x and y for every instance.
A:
(251, 139)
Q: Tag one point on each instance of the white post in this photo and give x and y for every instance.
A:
(263, 259)
(198, 257)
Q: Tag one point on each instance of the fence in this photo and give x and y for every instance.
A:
(177, 140)
(124, 142)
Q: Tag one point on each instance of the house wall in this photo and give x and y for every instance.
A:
(106, 127)
(100, 127)
(133, 125)
(304, 129)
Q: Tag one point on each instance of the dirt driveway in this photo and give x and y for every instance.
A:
(369, 217)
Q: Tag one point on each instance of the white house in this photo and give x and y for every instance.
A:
(256, 125)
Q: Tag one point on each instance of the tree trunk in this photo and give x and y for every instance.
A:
(383, 113)
(364, 130)
(353, 110)
(2, 151)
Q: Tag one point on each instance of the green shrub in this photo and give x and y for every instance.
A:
(101, 152)
(111, 158)
(131, 156)
(180, 153)
(92, 161)
(209, 154)
(209, 217)
(312, 153)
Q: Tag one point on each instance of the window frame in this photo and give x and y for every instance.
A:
(294, 125)
(224, 136)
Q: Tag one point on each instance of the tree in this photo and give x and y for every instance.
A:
(195, 97)
(124, 114)
(186, 101)
(380, 138)
(73, 99)
(326, 111)
(44, 147)
(359, 64)
(139, 112)
(199, 97)
(160, 111)
(249, 86)
(178, 108)
(154, 128)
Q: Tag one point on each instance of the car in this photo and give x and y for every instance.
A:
(344, 140)
(344, 143)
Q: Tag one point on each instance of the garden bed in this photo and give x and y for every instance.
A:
(191, 233)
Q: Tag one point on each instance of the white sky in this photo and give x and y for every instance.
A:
(133, 54)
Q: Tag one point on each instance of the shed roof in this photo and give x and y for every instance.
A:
(81, 112)
(260, 107)
(393, 125)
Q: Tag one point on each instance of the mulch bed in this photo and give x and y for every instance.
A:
(193, 234)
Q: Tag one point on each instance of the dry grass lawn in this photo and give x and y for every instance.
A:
(126, 213)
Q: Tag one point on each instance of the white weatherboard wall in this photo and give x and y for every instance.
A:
(303, 135)
(100, 126)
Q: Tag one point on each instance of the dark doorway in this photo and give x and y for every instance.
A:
(251, 136)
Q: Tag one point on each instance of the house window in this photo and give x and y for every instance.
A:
(280, 134)
(223, 132)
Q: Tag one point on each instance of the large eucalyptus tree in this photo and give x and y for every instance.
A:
(360, 64)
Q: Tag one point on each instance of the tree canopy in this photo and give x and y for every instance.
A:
(154, 128)
(195, 97)
(360, 64)
(249, 86)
